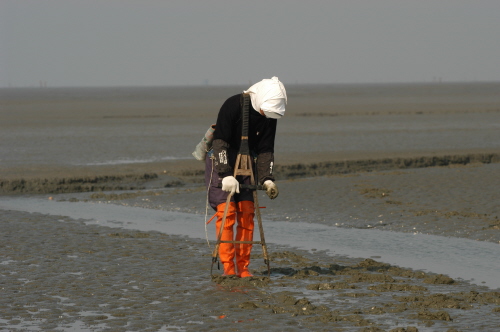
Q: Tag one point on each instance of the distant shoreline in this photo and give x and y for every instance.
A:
(289, 84)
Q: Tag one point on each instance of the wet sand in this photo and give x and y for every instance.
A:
(57, 273)
(60, 274)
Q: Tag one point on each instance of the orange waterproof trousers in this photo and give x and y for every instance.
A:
(243, 213)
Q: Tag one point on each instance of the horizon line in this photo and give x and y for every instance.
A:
(45, 87)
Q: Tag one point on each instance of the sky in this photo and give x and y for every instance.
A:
(58, 43)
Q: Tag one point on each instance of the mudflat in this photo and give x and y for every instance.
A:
(396, 158)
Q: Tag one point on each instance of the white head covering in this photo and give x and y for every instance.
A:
(269, 95)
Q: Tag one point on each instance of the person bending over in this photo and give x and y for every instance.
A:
(268, 99)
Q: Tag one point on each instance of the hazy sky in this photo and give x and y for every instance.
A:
(192, 42)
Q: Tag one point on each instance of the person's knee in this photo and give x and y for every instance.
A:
(246, 213)
(246, 207)
(230, 216)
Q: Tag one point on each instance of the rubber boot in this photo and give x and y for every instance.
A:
(226, 250)
(244, 232)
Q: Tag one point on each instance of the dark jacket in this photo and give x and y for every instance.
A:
(227, 138)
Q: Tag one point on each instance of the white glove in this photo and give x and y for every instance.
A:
(230, 184)
(271, 189)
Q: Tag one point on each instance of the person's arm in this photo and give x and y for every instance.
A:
(222, 165)
(265, 159)
(265, 152)
(224, 131)
(265, 167)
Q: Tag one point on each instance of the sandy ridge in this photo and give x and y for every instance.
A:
(193, 173)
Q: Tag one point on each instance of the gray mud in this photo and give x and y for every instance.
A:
(178, 177)
(60, 274)
(413, 158)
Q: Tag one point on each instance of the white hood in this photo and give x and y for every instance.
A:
(269, 95)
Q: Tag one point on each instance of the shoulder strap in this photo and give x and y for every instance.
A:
(244, 149)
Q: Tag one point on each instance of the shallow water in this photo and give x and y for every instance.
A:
(475, 261)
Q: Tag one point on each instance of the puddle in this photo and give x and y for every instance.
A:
(475, 261)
